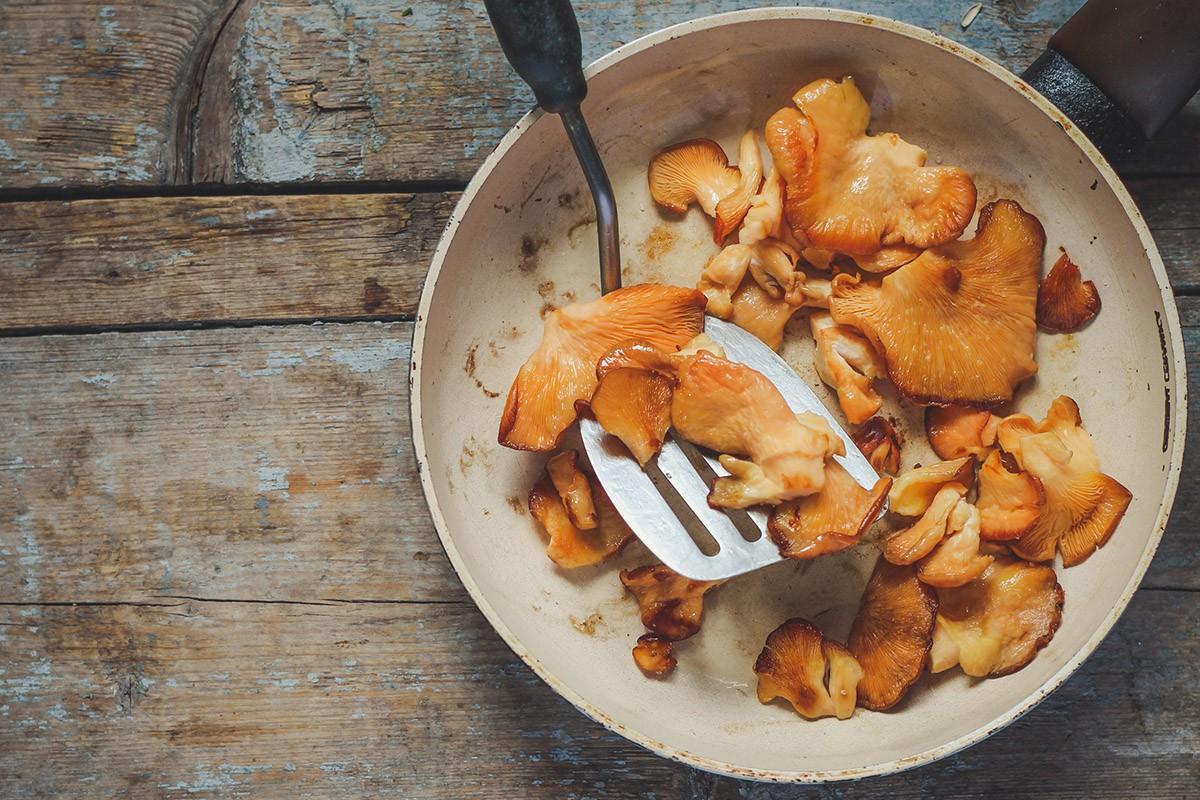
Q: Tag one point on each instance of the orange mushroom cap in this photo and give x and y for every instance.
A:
(956, 326)
(815, 674)
(855, 193)
(892, 634)
(995, 625)
(562, 371)
(1065, 301)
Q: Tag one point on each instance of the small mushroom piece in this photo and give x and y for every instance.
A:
(855, 193)
(771, 262)
(1065, 301)
(956, 560)
(956, 325)
(569, 546)
(573, 488)
(562, 371)
(654, 655)
(764, 218)
(816, 675)
(755, 311)
(892, 634)
(915, 489)
(732, 208)
(877, 440)
(846, 361)
(913, 543)
(995, 625)
(1083, 505)
(635, 406)
(957, 431)
(736, 411)
(1009, 503)
(671, 605)
(695, 171)
(830, 520)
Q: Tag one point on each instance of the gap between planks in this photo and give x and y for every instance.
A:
(185, 599)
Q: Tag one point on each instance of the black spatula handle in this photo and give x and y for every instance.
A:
(541, 40)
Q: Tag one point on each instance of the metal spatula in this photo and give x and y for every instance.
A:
(666, 503)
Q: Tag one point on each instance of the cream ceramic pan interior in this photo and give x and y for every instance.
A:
(523, 239)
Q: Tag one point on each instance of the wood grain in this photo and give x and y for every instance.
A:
(258, 463)
(156, 260)
(100, 94)
(372, 89)
(281, 91)
(149, 261)
(196, 699)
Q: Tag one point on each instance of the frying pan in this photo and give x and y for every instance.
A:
(523, 239)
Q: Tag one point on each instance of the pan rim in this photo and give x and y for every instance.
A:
(1178, 386)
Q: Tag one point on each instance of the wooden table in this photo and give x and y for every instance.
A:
(217, 573)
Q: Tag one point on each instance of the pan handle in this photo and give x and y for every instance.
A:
(541, 40)
(1120, 69)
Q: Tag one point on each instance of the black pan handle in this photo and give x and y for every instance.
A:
(1120, 69)
(541, 40)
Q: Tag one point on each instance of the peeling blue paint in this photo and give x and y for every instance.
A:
(373, 357)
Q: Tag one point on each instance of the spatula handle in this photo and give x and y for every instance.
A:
(541, 40)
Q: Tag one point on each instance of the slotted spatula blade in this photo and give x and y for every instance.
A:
(659, 514)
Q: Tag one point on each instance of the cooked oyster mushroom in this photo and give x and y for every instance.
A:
(764, 218)
(877, 440)
(734, 410)
(914, 489)
(956, 326)
(1065, 301)
(1083, 505)
(913, 543)
(772, 263)
(562, 371)
(634, 405)
(695, 171)
(957, 431)
(1010, 501)
(671, 605)
(654, 655)
(573, 487)
(815, 674)
(830, 520)
(892, 634)
(956, 560)
(846, 361)
(995, 625)
(732, 208)
(571, 547)
(855, 193)
(757, 311)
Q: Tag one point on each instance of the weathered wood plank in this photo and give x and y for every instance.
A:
(272, 700)
(296, 91)
(379, 90)
(110, 262)
(253, 464)
(100, 94)
(268, 463)
(139, 261)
